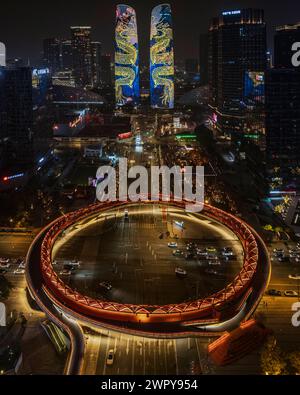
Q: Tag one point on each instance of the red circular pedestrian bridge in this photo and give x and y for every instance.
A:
(223, 304)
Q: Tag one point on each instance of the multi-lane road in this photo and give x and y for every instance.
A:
(140, 356)
(140, 266)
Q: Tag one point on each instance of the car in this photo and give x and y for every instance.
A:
(211, 250)
(202, 253)
(214, 262)
(180, 224)
(227, 251)
(110, 357)
(274, 292)
(294, 251)
(19, 271)
(278, 251)
(294, 276)
(3, 271)
(180, 272)
(74, 263)
(22, 265)
(66, 272)
(177, 253)
(106, 286)
(4, 260)
(126, 215)
(4, 265)
(173, 245)
(292, 294)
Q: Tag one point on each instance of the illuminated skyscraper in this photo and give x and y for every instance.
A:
(162, 58)
(127, 78)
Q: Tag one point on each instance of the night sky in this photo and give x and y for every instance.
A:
(23, 24)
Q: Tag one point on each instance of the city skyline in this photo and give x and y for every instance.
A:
(150, 190)
(101, 17)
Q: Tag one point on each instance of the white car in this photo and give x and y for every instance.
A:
(294, 276)
(292, 294)
(173, 245)
(4, 260)
(215, 262)
(22, 265)
(180, 272)
(4, 265)
(19, 271)
(66, 272)
(278, 251)
(110, 357)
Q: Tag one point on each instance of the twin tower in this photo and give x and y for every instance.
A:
(127, 73)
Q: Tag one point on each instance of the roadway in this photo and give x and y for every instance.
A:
(141, 268)
(38, 292)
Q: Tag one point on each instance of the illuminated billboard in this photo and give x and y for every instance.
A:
(162, 58)
(255, 85)
(126, 57)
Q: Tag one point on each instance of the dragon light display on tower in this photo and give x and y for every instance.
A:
(126, 57)
(162, 58)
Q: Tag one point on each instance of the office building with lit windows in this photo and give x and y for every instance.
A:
(96, 62)
(82, 55)
(237, 53)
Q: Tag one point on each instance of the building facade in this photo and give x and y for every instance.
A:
(283, 110)
(237, 47)
(96, 62)
(127, 78)
(82, 55)
(284, 40)
(162, 58)
(16, 114)
(51, 54)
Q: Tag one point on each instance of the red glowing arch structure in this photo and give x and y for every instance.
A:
(103, 310)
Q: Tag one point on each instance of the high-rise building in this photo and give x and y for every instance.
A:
(213, 69)
(51, 55)
(127, 78)
(237, 47)
(16, 113)
(283, 108)
(2, 55)
(203, 59)
(82, 55)
(283, 121)
(66, 55)
(285, 37)
(162, 58)
(106, 72)
(96, 62)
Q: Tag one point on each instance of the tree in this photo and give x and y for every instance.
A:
(272, 358)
